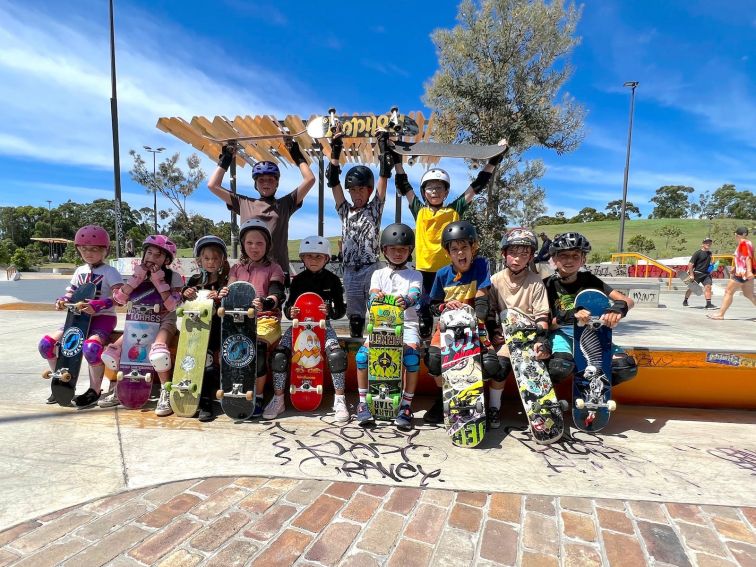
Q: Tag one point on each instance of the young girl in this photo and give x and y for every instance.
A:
(157, 253)
(92, 243)
(212, 259)
(256, 267)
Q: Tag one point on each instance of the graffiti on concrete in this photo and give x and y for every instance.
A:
(608, 270)
(743, 458)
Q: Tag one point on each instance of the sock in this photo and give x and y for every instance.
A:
(495, 398)
(363, 393)
(407, 398)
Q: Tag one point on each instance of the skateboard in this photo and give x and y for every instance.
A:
(308, 345)
(135, 372)
(592, 385)
(466, 151)
(386, 348)
(238, 351)
(75, 331)
(191, 355)
(362, 126)
(464, 402)
(543, 409)
(692, 284)
(253, 138)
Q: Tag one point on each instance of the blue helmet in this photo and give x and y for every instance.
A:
(265, 168)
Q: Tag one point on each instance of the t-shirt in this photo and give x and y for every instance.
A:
(360, 230)
(398, 282)
(449, 285)
(562, 296)
(742, 253)
(275, 213)
(430, 255)
(258, 275)
(104, 276)
(701, 259)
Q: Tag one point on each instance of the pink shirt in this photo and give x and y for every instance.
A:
(259, 276)
(742, 253)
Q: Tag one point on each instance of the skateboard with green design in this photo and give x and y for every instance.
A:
(386, 347)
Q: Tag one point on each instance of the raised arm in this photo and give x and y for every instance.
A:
(308, 179)
(484, 176)
(333, 171)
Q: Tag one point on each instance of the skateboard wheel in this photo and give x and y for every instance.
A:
(168, 386)
(369, 328)
(395, 401)
(148, 377)
(221, 311)
(446, 408)
(322, 324)
(564, 405)
(579, 403)
(398, 330)
(250, 395)
(65, 377)
(203, 313)
(292, 389)
(156, 308)
(180, 312)
(612, 405)
(46, 374)
(295, 323)
(129, 305)
(193, 389)
(119, 376)
(319, 389)
(219, 394)
(479, 406)
(369, 400)
(251, 312)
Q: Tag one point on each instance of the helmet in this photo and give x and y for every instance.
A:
(433, 174)
(569, 241)
(459, 230)
(315, 245)
(92, 235)
(206, 241)
(519, 237)
(163, 242)
(397, 234)
(265, 168)
(255, 224)
(359, 176)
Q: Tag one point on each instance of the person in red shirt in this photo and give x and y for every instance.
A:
(742, 275)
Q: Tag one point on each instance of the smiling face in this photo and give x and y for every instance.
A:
(155, 257)
(92, 255)
(568, 262)
(435, 192)
(517, 257)
(255, 245)
(461, 253)
(267, 185)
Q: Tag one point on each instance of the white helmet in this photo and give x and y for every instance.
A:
(435, 173)
(315, 245)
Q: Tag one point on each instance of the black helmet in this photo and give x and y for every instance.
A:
(397, 234)
(460, 230)
(359, 176)
(519, 237)
(569, 241)
(207, 241)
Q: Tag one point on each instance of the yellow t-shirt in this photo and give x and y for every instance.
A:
(430, 256)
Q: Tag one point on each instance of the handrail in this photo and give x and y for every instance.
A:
(649, 262)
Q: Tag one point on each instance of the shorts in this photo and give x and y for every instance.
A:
(561, 341)
(739, 280)
(704, 279)
(268, 330)
(102, 326)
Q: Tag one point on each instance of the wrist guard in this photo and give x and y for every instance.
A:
(403, 185)
(496, 160)
(101, 304)
(332, 175)
(481, 307)
(226, 157)
(120, 297)
(480, 182)
(386, 165)
(336, 146)
(437, 308)
(619, 306)
(64, 298)
(173, 301)
(268, 304)
(296, 153)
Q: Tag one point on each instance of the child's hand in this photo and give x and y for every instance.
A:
(400, 302)
(454, 304)
(542, 351)
(88, 309)
(140, 271)
(583, 316)
(60, 304)
(190, 293)
(295, 311)
(257, 304)
(611, 319)
(213, 294)
(223, 292)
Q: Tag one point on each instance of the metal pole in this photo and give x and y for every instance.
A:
(116, 151)
(321, 193)
(620, 245)
(49, 219)
(234, 240)
(154, 183)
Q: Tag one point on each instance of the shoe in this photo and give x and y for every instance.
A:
(87, 399)
(51, 399)
(711, 306)
(403, 419)
(206, 414)
(364, 417)
(163, 406)
(275, 407)
(685, 303)
(494, 421)
(258, 410)
(340, 411)
(436, 413)
(110, 400)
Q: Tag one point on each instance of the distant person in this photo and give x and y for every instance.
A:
(543, 254)
(742, 277)
(129, 248)
(699, 267)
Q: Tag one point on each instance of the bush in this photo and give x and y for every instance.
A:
(640, 244)
(20, 260)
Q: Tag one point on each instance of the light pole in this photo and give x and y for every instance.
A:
(154, 181)
(632, 85)
(49, 220)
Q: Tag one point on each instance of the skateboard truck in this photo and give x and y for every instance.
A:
(134, 375)
(237, 314)
(236, 392)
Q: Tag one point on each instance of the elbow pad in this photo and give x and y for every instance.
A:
(481, 181)
(481, 307)
(332, 175)
(403, 185)
(620, 306)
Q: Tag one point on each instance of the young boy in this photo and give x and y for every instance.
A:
(360, 225)
(568, 252)
(698, 269)
(515, 286)
(464, 281)
(431, 216)
(275, 213)
(397, 243)
(742, 276)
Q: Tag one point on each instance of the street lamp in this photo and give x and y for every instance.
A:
(49, 220)
(154, 181)
(631, 85)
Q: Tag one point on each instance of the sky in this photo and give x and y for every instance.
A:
(694, 120)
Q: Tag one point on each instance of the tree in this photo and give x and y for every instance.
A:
(501, 69)
(700, 209)
(614, 209)
(724, 239)
(185, 232)
(672, 234)
(641, 244)
(588, 214)
(671, 202)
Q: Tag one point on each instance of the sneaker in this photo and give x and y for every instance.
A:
(403, 419)
(258, 410)
(206, 414)
(87, 399)
(711, 306)
(685, 303)
(494, 421)
(163, 406)
(364, 417)
(274, 408)
(340, 411)
(110, 400)
(436, 413)
(51, 399)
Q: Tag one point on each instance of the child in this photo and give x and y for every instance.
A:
(158, 251)
(212, 259)
(515, 286)
(360, 225)
(568, 252)
(431, 216)
(315, 252)
(258, 268)
(93, 244)
(464, 281)
(275, 213)
(397, 244)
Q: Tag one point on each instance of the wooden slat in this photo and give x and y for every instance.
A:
(203, 126)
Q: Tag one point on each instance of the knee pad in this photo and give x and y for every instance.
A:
(433, 361)
(280, 360)
(337, 359)
(491, 367)
(262, 359)
(356, 324)
(624, 368)
(506, 368)
(426, 324)
(48, 347)
(111, 356)
(92, 350)
(411, 359)
(561, 365)
(160, 357)
(362, 358)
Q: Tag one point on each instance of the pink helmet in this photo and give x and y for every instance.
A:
(92, 235)
(162, 242)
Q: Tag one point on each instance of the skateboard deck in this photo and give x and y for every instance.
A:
(308, 346)
(135, 372)
(362, 126)
(592, 385)
(464, 402)
(75, 331)
(695, 287)
(386, 348)
(254, 138)
(238, 351)
(191, 354)
(467, 151)
(541, 405)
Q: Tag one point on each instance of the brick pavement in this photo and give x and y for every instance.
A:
(261, 522)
